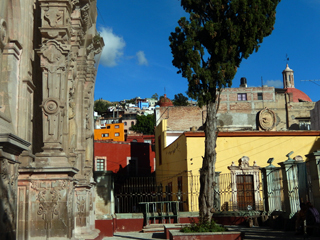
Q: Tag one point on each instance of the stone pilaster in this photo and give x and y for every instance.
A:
(272, 188)
(290, 186)
(10, 147)
(55, 60)
(313, 167)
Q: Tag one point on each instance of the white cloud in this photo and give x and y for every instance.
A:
(141, 58)
(274, 83)
(113, 49)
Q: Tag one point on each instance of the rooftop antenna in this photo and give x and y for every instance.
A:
(313, 81)
(287, 59)
(262, 90)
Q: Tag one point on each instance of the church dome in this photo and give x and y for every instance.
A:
(298, 96)
(165, 102)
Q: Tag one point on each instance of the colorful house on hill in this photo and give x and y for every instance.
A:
(112, 132)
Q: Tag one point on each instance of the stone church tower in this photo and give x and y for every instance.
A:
(47, 77)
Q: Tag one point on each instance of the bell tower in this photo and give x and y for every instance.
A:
(288, 78)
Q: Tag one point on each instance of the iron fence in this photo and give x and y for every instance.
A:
(184, 189)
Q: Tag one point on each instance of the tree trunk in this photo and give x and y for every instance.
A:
(207, 172)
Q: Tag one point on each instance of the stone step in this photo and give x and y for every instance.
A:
(153, 228)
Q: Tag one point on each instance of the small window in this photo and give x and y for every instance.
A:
(108, 127)
(116, 134)
(134, 140)
(100, 165)
(132, 123)
(242, 97)
(105, 134)
(304, 125)
(116, 126)
(125, 123)
(260, 96)
(147, 141)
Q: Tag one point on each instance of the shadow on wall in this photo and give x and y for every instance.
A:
(315, 146)
(126, 184)
(7, 208)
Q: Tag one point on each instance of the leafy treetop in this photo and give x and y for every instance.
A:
(209, 46)
(180, 100)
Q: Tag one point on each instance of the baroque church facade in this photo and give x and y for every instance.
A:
(48, 58)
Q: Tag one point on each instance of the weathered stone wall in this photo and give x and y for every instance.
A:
(47, 77)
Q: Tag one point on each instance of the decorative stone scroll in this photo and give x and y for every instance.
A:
(3, 34)
(267, 120)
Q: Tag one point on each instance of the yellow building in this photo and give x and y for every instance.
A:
(114, 132)
(178, 162)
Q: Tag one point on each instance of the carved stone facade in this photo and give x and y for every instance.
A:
(47, 77)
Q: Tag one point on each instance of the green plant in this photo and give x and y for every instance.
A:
(202, 227)
(97, 38)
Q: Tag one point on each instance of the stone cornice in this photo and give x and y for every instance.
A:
(257, 134)
(12, 144)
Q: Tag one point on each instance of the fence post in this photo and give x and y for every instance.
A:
(271, 187)
(290, 186)
(217, 202)
(313, 166)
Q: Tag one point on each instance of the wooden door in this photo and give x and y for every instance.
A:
(245, 193)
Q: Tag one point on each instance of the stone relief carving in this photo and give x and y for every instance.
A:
(85, 13)
(70, 207)
(81, 206)
(3, 34)
(51, 106)
(244, 162)
(267, 120)
(74, 2)
(53, 16)
(53, 56)
(48, 198)
(4, 170)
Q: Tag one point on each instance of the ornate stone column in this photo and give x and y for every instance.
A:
(55, 61)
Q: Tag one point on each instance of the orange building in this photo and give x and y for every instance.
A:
(114, 132)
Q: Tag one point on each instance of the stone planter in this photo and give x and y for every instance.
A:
(228, 235)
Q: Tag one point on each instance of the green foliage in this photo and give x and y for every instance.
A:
(145, 124)
(101, 106)
(133, 101)
(155, 96)
(180, 100)
(202, 227)
(209, 46)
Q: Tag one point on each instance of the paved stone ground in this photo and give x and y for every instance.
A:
(258, 233)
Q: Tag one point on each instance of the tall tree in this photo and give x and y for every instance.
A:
(180, 100)
(207, 48)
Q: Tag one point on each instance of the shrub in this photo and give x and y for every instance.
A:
(202, 227)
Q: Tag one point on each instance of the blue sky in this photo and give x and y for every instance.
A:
(136, 59)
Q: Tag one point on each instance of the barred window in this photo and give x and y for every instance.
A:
(100, 165)
(242, 97)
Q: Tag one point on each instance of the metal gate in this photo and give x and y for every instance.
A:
(129, 191)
